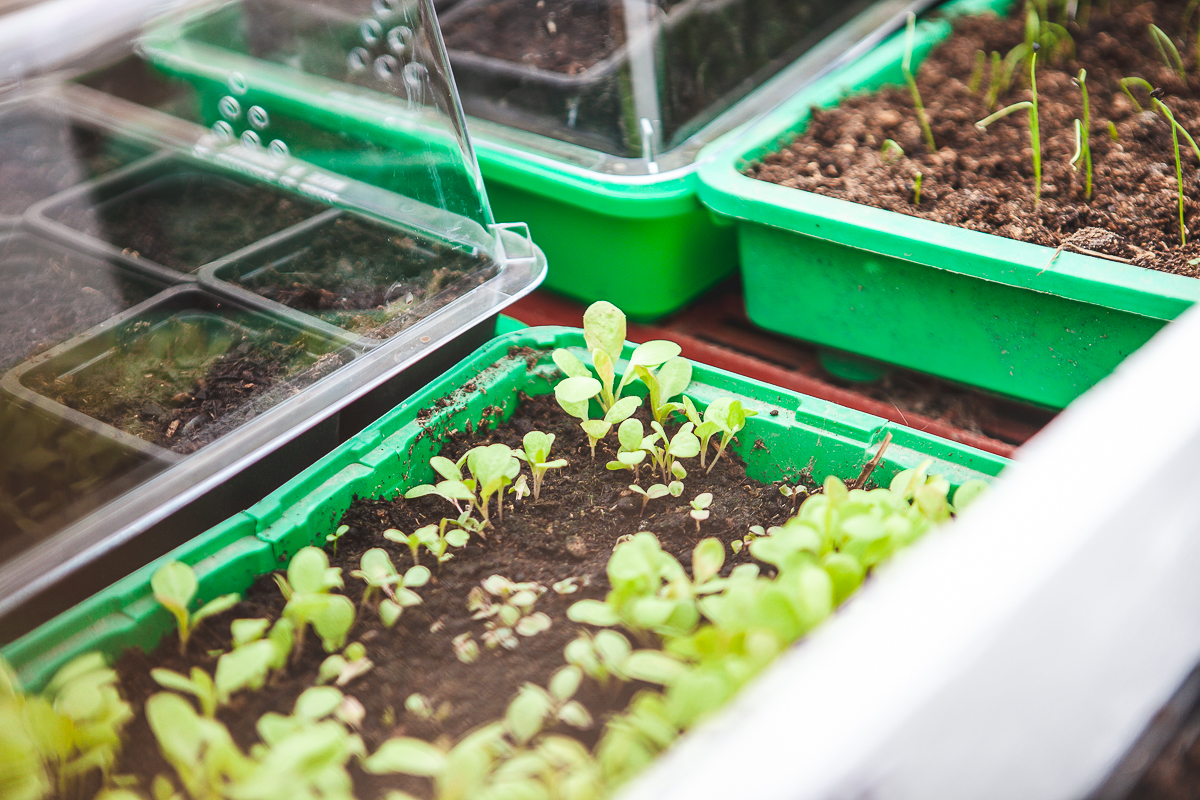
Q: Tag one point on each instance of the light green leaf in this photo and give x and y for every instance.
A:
(622, 410)
(389, 612)
(630, 435)
(406, 756)
(707, 559)
(673, 377)
(527, 712)
(419, 576)
(244, 668)
(307, 573)
(317, 702)
(446, 468)
(574, 714)
(333, 620)
(565, 682)
(969, 492)
(174, 585)
(592, 612)
(654, 666)
(576, 390)
(570, 364)
(604, 328)
(653, 353)
(245, 631)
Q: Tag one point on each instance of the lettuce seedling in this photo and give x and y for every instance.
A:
(349, 665)
(537, 450)
(200, 685)
(511, 610)
(684, 444)
(335, 536)
(704, 429)
(534, 706)
(906, 68)
(174, 585)
(918, 177)
(1034, 135)
(201, 750)
(891, 151)
(253, 657)
(465, 648)
(630, 454)
(664, 383)
(674, 489)
(700, 507)
(309, 602)
(377, 570)
(492, 467)
(730, 418)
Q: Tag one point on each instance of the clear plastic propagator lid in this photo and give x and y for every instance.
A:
(205, 252)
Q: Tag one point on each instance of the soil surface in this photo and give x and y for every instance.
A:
(185, 220)
(560, 35)
(360, 277)
(569, 533)
(42, 153)
(984, 180)
(170, 387)
(52, 294)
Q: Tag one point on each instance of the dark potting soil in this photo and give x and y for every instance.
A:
(42, 153)
(583, 510)
(566, 36)
(984, 180)
(361, 277)
(51, 294)
(184, 221)
(178, 386)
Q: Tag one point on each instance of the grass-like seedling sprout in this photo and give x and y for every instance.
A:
(917, 179)
(1158, 105)
(309, 601)
(976, 72)
(336, 535)
(891, 152)
(174, 586)
(1034, 134)
(1112, 131)
(537, 450)
(1083, 148)
(994, 82)
(1167, 51)
(906, 68)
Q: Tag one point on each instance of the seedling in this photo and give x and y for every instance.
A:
(755, 532)
(917, 178)
(631, 453)
(1167, 51)
(465, 648)
(1034, 137)
(507, 607)
(976, 73)
(1112, 131)
(730, 418)
(906, 68)
(380, 574)
(1083, 148)
(200, 685)
(566, 586)
(349, 665)
(891, 152)
(335, 536)
(1158, 105)
(705, 428)
(995, 82)
(537, 450)
(534, 706)
(520, 488)
(253, 657)
(664, 383)
(420, 707)
(174, 585)
(700, 507)
(411, 540)
(684, 444)
(794, 494)
(309, 602)
(492, 467)
(674, 489)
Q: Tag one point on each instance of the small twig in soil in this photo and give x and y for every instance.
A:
(861, 480)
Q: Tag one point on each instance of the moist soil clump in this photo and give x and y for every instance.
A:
(171, 387)
(50, 295)
(184, 221)
(566, 36)
(361, 277)
(42, 153)
(983, 180)
(570, 533)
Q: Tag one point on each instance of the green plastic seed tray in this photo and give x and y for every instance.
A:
(979, 309)
(791, 432)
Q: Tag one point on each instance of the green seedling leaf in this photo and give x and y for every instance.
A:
(246, 667)
(406, 756)
(310, 572)
(969, 492)
(654, 666)
(527, 712)
(576, 390)
(674, 376)
(174, 585)
(571, 366)
(604, 329)
(622, 410)
(565, 682)
(592, 612)
(707, 559)
(245, 631)
(446, 468)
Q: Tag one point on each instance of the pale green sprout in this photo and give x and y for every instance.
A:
(378, 572)
(309, 601)
(200, 685)
(437, 539)
(918, 177)
(906, 68)
(1176, 129)
(465, 648)
(199, 749)
(349, 665)
(969, 493)
(255, 654)
(891, 152)
(536, 454)
(1167, 51)
(1083, 148)
(1034, 134)
(492, 467)
(174, 585)
(630, 453)
(664, 383)
(507, 608)
(674, 489)
(420, 707)
(566, 586)
(520, 487)
(334, 537)
(995, 82)
(700, 506)
(534, 706)
(684, 444)
(794, 494)
(755, 532)
(976, 73)
(730, 419)
(704, 429)
(410, 540)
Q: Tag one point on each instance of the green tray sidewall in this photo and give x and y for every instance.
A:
(791, 433)
(971, 307)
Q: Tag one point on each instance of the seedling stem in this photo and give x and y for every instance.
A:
(906, 67)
